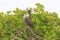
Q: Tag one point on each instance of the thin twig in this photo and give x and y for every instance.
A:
(15, 37)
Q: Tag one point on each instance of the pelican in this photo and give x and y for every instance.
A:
(27, 18)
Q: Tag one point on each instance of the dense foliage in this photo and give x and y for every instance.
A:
(46, 25)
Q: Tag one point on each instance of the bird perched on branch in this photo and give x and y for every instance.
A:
(27, 18)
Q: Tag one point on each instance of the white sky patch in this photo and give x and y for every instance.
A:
(50, 5)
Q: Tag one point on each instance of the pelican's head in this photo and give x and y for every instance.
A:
(28, 10)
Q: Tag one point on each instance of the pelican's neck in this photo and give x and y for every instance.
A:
(26, 15)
